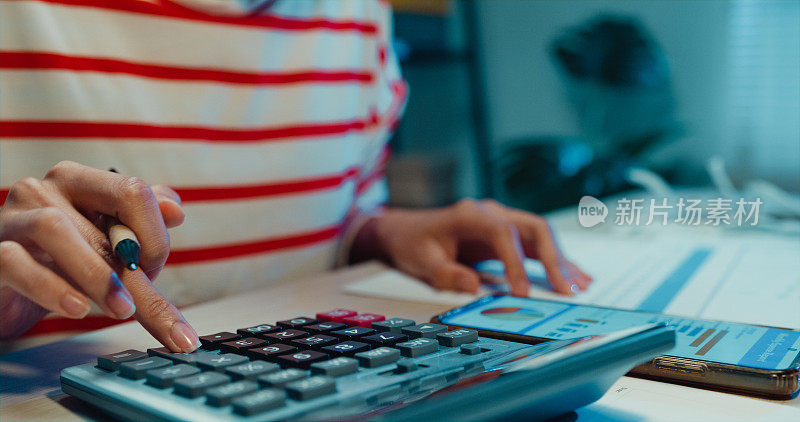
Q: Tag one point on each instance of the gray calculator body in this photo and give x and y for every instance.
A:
(502, 379)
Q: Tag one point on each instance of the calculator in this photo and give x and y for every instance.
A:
(342, 364)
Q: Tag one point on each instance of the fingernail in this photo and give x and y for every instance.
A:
(117, 282)
(119, 300)
(177, 204)
(74, 305)
(184, 337)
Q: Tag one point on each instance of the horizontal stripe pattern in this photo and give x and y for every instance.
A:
(185, 256)
(186, 164)
(44, 60)
(229, 221)
(236, 192)
(111, 130)
(182, 43)
(64, 95)
(198, 281)
(173, 10)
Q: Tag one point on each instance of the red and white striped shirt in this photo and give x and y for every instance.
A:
(272, 127)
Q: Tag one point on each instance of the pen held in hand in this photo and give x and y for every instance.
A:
(123, 241)
(124, 244)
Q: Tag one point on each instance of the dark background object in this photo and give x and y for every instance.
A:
(617, 81)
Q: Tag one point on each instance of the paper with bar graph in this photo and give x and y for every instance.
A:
(747, 279)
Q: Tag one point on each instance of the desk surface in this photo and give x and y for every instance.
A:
(29, 385)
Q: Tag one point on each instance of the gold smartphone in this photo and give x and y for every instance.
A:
(751, 359)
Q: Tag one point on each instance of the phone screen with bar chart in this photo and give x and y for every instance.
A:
(721, 342)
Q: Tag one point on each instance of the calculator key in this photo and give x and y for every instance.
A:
(378, 357)
(301, 359)
(224, 394)
(324, 327)
(353, 332)
(394, 325)
(270, 352)
(285, 335)
(426, 330)
(311, 388)
(258, 330)
(297, 322)
(214, 362)
(363, 320)
(471, 349)
(164, 377)
(241, 345)
(314, 342)
(211, 342)
(111, 361)
(418, 347)
(405, 366)
(165, 353)
(251, 370)
(281, 378)
(346, 348)
(196, 385)
(385, 339)
(258, 402)
(137, 369)
(335, 367)
(335, 315)
(457, 337)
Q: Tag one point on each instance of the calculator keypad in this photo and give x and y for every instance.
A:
(257, 330)
(302, 359)
(346, 348)
(224, 394)
(196, 385)
(164, 377)
(211, 342)
(263, 367)
(297, 322)
(271, 352)
(112, 361)
(285, 335)
(237, 346)
(251, 370)
(138, 369)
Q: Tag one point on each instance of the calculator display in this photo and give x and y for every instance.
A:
(713, 341)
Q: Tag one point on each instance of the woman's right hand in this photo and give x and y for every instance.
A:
(54, 256)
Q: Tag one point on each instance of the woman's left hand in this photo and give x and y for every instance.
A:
(440, 245)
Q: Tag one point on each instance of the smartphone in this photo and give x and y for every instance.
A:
(749, 359)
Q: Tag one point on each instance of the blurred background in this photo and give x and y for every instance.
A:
(539, 102)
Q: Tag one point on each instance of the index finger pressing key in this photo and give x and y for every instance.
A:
(159, 317)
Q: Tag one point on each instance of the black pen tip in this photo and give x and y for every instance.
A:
(132, 266)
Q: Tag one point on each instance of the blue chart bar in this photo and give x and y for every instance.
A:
(669, 288)
(694, 332)
(684, 328)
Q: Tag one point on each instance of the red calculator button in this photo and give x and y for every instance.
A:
(363, 320)
(336, 315)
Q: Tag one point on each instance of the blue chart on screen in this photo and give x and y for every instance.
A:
(731, 343)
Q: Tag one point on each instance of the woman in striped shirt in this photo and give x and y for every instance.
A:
(263, 124)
